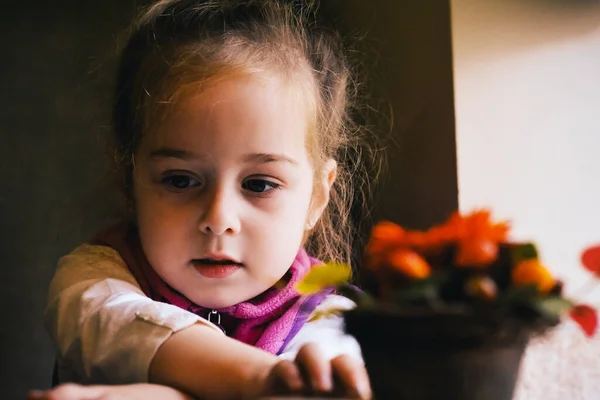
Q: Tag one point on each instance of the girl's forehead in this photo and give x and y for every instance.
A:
(257, 114)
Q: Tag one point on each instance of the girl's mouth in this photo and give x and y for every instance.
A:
(219, 269)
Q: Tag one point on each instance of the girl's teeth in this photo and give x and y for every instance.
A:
(217, 262)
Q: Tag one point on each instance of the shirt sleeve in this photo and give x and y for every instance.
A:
(104, 327)
(325, 328)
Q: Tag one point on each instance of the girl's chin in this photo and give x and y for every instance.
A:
(224, 297)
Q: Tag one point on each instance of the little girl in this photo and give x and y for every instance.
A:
(229, 117)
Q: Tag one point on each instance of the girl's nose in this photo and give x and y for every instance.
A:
(219, 216)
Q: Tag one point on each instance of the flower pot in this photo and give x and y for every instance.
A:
(452, 356)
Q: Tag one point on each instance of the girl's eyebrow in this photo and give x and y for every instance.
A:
(265, 158)
(262, 158)
(173, 153)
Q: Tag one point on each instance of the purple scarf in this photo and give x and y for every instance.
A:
(268, 321)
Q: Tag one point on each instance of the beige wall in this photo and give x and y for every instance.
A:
(527, 98)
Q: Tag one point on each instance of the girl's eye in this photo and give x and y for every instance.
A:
(180, 182)
(259, 185)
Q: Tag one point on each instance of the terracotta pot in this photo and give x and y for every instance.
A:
(431, 356)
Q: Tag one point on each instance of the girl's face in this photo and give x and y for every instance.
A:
(223, 192)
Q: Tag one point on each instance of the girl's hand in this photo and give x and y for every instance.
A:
(141, 391)
(312, 374)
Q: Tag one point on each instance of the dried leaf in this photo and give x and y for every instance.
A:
(324, 276)
(590, 258)
(334, 312)
(586, 317)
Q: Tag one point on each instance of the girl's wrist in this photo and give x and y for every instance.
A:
(257, 384)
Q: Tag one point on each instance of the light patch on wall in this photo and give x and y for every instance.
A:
(527, 98)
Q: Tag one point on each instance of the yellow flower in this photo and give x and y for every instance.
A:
(324, 276)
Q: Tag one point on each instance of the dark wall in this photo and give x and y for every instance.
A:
(55, 81)
(55, 190)
(406, 49)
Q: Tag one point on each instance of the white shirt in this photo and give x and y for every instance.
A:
(107, 331)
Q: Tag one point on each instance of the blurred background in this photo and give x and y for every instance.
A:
(527, 107)
(491, 103)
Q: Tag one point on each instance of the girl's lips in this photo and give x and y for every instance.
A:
(216, 269)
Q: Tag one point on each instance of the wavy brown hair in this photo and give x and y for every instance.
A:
(177, 47)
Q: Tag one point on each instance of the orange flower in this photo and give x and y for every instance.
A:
(442, 235)
(386, 234)
(532, 272)
(386, 231)
(478, 224)
(383, 238)
(409, 263)
(477, 237)
(476, 252)
(386, 238)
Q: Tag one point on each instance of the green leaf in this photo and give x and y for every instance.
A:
(553, 306)
(522, 293)
(419, 290)
(524, 251)
(324, 276)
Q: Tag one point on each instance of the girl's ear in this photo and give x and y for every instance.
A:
(321, 193)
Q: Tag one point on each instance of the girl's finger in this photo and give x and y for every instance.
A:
(353, 375)
(316, 369)
(36, 395)
(68, 391)
(285, 378)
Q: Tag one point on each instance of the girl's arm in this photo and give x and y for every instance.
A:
(108, 332)
(105, 329)
(140, 391)
(320, 359)
(210, 365)
(310, 374)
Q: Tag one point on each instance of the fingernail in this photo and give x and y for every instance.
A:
(295, 384)
(323, 383)
(364, 390)
(361, 391)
